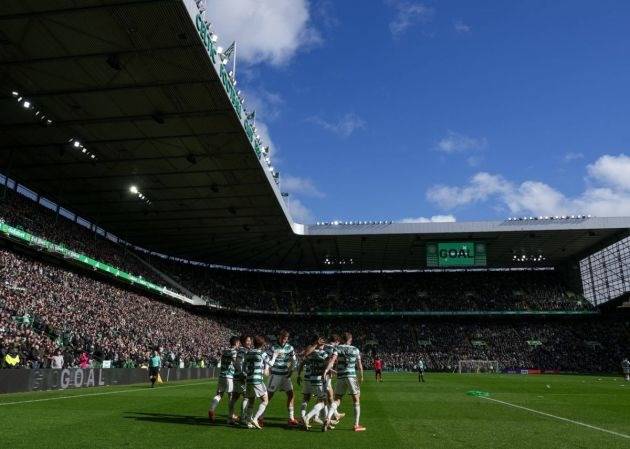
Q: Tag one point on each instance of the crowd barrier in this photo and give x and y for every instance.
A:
(24, 380)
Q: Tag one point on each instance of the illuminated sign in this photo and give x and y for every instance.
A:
(456, 254)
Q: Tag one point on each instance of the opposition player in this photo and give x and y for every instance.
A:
(317, 358)
(256, 363)
(625, 366)
(280, 379)
(226, 380)
(155, 363)
(239, 378)
(348, 361)
(420, 368)
(378, 369)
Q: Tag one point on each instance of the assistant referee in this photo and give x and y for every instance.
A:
(155, 362)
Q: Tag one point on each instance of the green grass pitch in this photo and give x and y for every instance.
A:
(399, 412)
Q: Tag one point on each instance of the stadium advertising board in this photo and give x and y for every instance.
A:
(22, 380)
(456, 254)
(45, 245)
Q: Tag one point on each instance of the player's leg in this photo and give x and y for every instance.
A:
(261, 393)
(215, 402)
(355, 392)
(305, 400)
(321, 403)
(290, 407)
(422, 375)
(356, 404)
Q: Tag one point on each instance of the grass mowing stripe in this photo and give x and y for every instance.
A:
(104, 393)
(612, 432)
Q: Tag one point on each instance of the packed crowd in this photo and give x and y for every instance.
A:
(490, 291)
(23, 213)
(46, 308)
(78, 314)
(495, 291)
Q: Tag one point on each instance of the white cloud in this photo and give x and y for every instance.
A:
(433, 219)
(268, 105)
(461, 27)
(608, 192)
(264, 31)
(613, 171)
(300, 186)
(344, 127)
(571, 156)
(299, 212)
(459, 143)
(408, 14)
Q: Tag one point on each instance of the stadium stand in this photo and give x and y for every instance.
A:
(22, 212)
(484, 290)
(45, 307)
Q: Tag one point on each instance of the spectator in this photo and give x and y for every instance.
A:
(56, 361)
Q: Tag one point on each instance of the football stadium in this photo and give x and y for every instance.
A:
(156, 290)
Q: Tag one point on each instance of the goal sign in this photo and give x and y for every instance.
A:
(456, 254)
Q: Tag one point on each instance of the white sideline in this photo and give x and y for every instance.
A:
(100, 394)
(622, 435)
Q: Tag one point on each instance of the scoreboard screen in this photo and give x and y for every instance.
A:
(456, 254)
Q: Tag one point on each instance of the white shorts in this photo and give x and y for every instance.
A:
(319, 391)
(306, 387)
(225, 385)
(347, 385)
(257, 391)
(279, 383)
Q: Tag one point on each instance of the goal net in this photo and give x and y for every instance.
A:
(478, 366)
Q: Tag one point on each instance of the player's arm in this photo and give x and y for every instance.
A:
(309, 350)
(292, 363)
(299, 373)
(330, 364)
(360, 365)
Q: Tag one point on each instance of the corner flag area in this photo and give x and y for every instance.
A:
(520, 412)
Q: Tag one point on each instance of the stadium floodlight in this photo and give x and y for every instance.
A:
(26, 104)
(15, 93)
(76, 144)
(133, 189)
(93, 156)
(214, 37)
(220, 50)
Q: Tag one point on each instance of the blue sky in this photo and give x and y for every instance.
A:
(402, 109)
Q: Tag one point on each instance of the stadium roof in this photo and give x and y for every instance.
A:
(133, 82)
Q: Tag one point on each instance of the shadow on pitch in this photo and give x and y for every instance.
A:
(191, 420)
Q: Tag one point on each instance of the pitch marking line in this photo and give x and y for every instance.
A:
(104, 393)
(622, 435)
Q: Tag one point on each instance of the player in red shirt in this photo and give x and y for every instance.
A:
(378, 369)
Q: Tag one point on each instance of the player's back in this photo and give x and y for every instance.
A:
(228, 357)
(347, 357)
(254, 366)
(317, 365)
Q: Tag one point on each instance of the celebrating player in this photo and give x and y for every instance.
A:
(280, 379)
(226, 380)
(256, 361)
(239, 379)
(317, 358)
(625, 366)
(348, 360)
